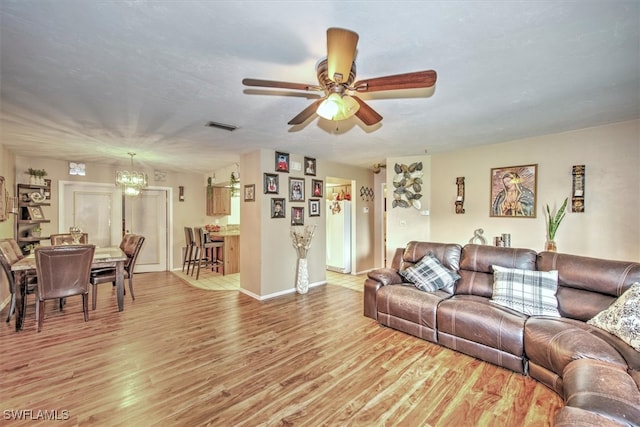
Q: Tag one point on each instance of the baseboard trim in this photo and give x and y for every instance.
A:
(278, 294)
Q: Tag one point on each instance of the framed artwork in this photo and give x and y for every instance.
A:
(513, 191)
(278, 207)
(271, 183)
(282, 162)
(309, 166)
(317, 189)
(3, 208)
(314, 207)
(250, 193)
(297, 215)
(296, 189)
(35, 212)
(47, 191)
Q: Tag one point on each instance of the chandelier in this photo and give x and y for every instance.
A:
(131, 181)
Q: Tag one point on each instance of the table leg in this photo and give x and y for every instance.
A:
(120, 284)
(20, 281)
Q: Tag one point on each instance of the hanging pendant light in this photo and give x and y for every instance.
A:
(132, 182)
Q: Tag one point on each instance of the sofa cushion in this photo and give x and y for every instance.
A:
(621, 318)
(429, 275)
(529, 292)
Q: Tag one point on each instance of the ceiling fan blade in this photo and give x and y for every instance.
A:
(306, 113)
(367, 114)
(341, 50)
(281, 85)
(418, 79)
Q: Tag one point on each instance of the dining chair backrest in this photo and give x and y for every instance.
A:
(198, 237)
(6, 264)
(67, 239)
(188, 236)
(131, 245)
(63, 270)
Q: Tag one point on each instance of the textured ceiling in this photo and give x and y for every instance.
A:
(92, 80)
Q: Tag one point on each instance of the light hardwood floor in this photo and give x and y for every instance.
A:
(183, 356)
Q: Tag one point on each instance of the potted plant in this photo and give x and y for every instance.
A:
(35, 231)
(553, 222)
(36, 176)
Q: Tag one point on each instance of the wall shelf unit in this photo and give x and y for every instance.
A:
(31, 200)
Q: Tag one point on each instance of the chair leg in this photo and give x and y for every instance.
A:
(94, 296)
(85, 306)
(12, 307)
(39, 315)
(131, 286)
(194, 259)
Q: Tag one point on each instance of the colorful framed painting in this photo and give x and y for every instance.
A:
(296, 189)
(314, 207)
(278, 206)
(297, 215)
(282, 162)
(513, 191)
(317, 188)
(271, 185)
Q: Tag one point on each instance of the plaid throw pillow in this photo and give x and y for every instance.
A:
(429, 274)
(529, 292)
(621, 318)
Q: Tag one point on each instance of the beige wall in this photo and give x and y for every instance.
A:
(609, 227)
(267, 257)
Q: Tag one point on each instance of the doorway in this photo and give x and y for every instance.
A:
(99, 210)
(340, 228)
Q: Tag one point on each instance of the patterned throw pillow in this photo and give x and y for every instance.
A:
(429, 274)
(622, 318)
(527, 291)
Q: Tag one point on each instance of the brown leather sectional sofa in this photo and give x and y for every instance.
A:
(596, 373)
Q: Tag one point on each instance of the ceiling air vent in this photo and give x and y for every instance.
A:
(221, 126)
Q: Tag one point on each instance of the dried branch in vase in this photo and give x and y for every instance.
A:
(301, 237)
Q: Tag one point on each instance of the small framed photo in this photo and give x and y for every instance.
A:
(309, 166)
(314, 207)
(271, 183)
(296, 189)
(282, 162)
(250, 193)
(278, 208)
(317, 189)
(513, 191)
(297, 215)
(35, 212)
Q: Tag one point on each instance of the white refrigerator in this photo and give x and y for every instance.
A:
(339, 236)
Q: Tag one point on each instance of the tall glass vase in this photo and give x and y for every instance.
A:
(302, 277)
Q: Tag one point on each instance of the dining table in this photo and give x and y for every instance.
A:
(103, 257)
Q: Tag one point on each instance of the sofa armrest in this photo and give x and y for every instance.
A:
(386, 276)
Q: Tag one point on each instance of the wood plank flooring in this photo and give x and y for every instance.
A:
(183, 356)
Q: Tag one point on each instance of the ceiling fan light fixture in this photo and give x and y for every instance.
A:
(337, 107)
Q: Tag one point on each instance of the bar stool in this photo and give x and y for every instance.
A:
(206, 252)
(187, 259)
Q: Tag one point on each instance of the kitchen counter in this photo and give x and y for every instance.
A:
(231, 253)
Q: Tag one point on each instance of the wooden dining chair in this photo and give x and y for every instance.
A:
(10, 252)
(67, 239)
(63, 271)
(130, 245)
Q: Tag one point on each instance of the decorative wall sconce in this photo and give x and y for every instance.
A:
(577, 193)
(181, 193)
(460, 196)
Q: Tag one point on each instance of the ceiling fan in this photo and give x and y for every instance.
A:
(336, 77)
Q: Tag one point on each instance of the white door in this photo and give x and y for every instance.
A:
(146, 214)
(95, 208)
